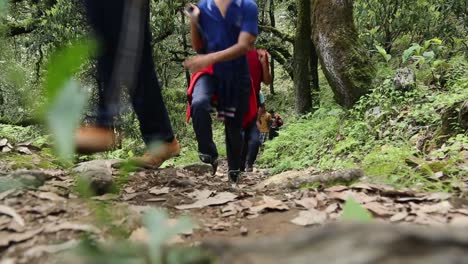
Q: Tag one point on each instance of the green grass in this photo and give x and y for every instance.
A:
(380, 134)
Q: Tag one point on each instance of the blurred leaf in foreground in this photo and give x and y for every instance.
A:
(353, 211)
(63, 64)
(64, 117)
(65, 99)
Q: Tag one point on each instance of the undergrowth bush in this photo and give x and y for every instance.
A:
(382, 134)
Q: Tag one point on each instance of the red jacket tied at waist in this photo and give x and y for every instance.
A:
(249, 116)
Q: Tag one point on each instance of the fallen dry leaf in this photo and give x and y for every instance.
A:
(338, 188)
(270, 204)
(411, 199)
(441, 208)
(129, 196)
(218, 199)
(362, 186)
(307, 203)
(38, 251)
(6, 210)
(378, 209)
(461, 221)
(399, 216)
(5, 194)
(439, 196)
(72, 226)
(106, 197)
(7, 238)
(50, 196)
(332, 208)
(221, 226)
(129, 190)
(359, 197)
(15, 227)
(425, 219)
(310, 217)
(156, 200)
(159, 191)
(8, 261)
(200, 195)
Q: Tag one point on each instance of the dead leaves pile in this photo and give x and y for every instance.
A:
(40, 221)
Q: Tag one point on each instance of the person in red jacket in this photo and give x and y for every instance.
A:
(221, 33)
(259, 72)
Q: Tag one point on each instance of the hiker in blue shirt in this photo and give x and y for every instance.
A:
(221, 32)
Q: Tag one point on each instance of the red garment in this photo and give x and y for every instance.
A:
(249, 116)
(255, 68)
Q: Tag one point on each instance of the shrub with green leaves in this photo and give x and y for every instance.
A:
(381, 134)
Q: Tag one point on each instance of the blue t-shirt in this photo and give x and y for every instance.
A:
(220, 33)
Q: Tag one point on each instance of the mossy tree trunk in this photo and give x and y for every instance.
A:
(302, 53)
(314, 76)
(343, 58)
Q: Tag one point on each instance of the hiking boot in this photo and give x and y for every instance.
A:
(154, 159)
(213, 161)
(249, 168)
(94, 139)
(234, 176)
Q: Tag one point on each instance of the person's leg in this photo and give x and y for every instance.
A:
(147, 99)
(200, 110)
(245, 146)
(233, 128)
(105, 18)
(254, 146)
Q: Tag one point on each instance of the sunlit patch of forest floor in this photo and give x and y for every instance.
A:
(44, 212)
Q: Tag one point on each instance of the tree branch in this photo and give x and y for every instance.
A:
(276, 32)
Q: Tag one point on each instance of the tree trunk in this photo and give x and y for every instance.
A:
(344, 60)
(185, 47)
(272, 61)
(314, 77)
(302, 88)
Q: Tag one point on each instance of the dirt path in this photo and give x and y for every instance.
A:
(35, 223)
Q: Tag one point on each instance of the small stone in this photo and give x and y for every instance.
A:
(405, 79)
(244, 231)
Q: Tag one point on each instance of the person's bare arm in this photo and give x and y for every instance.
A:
(266, 75)
(195, 36)
(199, 62)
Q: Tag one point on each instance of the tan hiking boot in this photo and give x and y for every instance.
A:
(94, 139)
(153, 160)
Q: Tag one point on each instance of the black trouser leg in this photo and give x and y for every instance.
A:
(201, 118)
(233, 126)
(106, 18)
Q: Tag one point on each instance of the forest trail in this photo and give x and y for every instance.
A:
(37, 222)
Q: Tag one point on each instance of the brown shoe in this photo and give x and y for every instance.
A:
(94, 139)
(154, 159)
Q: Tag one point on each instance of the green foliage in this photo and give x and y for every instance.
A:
(159, 232)
(382, 133)
(63, 64)
(353, 211)
(383, 52)
(422, 54)
(389, 22)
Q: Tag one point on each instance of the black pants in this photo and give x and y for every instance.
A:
(201, 108)
(106, 19)
(251, 144)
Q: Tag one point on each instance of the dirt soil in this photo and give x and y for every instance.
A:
(38, 223)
